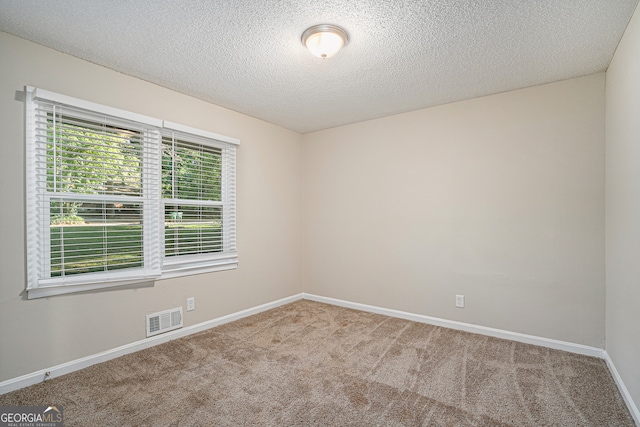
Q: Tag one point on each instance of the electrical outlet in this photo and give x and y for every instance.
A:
(191, 304)
(460, 301)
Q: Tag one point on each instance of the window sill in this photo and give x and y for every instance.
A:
(50, 291)
(170, 271)
(188, 271)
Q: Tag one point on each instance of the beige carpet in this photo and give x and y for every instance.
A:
(308, 363)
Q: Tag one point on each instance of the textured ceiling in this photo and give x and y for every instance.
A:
(246, 55)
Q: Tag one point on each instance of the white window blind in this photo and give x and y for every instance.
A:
(198, 203)
(112, 194)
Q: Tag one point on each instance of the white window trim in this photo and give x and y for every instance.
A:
(156, 265)
(199, 132)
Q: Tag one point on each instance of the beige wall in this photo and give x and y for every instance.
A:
(42, 333)
(623, 208)
(499, 198)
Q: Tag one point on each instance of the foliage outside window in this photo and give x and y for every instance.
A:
(115, 198)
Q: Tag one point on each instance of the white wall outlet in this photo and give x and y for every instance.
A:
(460, 301)
(191, 304)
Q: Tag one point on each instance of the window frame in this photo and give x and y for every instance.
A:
(156, 265)
(177, 265)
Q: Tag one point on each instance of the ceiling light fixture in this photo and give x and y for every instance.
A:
(324, 40)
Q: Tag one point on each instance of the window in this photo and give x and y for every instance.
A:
(198, 194)
(115, 198)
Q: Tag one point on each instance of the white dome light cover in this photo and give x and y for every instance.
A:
(324, 40)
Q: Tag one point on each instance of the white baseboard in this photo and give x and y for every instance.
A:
(467, 327)
(74, 365)
(623, 389)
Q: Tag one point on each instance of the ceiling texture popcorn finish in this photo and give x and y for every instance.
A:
(402, 55)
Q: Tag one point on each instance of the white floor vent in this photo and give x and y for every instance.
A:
(164, 321)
